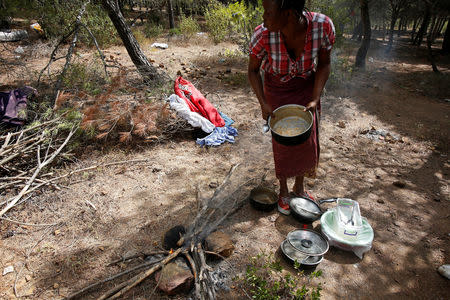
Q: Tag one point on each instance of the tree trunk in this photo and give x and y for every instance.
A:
(135, 52)
(446, 42)
(430, 37)
(170, 12)
(413, 33)
(357, 31)
(423, 29)
(442, 25)
(394, 17)
(360, 61)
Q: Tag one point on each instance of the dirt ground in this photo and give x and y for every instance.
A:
(110, 212)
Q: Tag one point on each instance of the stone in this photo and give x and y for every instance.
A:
(341, 124)
(19, 50)
(213, 185)
(381, 201)
(7, 270)
(176, 277)
(399, 184)
(444, 270)
(220, 243)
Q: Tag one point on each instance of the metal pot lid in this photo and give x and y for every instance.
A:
(301, 205)
(298, 256)
(308, 242)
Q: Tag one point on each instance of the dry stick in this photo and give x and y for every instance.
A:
(21, 151)
(52, 55)
(71, 47)
(73, 172)
(216, 192)
(76, 294)
(204, 273)
(38, 169)
(32, 128)
(27, 224)
(194, 272)
(127, 285)
(123, 259)
(100, 52)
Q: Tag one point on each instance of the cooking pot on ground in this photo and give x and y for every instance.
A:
(305, 246)
(291, 124)
(307, 210)
(263, 198)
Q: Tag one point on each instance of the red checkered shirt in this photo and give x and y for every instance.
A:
(270, 47)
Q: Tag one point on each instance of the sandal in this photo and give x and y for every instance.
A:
(306, 194)
(283, 205)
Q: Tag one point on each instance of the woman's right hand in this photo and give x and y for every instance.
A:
(266, 111)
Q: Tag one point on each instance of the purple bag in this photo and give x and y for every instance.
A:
(13, 105)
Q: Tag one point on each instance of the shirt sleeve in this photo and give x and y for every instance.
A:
(256, 46)
(329, 34)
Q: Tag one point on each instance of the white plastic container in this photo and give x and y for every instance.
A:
(347, 222)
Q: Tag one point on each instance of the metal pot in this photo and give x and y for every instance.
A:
(306, 210)
(264, 199)
(297, 121)
(305, 246)
(306, 261)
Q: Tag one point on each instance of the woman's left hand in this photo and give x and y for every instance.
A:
(311, 106)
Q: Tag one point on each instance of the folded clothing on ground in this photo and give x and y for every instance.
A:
(193, 118)
(219, 136)
(197, 102)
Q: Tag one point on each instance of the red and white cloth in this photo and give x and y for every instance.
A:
(270, 47)
(197, 102)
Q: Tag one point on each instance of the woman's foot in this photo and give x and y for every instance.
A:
(302, 193)
(283, 205)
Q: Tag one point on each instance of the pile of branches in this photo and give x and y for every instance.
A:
(25, 159)
(212, 212)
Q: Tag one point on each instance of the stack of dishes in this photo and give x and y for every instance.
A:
(305, 246)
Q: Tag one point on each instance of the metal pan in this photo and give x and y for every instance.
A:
(264, 199)
(306, 210)
(293, 255)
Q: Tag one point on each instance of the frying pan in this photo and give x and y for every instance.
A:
(306, 210)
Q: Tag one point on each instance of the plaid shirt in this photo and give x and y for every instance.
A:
(270, 47)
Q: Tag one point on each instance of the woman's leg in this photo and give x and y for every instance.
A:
(284, 191)
(299, 188)
(283, 198)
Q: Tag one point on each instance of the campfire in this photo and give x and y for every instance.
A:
(193, 243)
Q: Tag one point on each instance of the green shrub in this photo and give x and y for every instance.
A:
(153, 30)
(188, 26)
(264, 279)
(236, 21)
(174, 31)
(88, 78)
(57, 19)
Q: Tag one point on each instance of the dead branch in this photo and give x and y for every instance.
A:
(100, 52)
(41, 165)
(71, 48)
(27, 224)
(122, 288)
(123, 259)
(84, 290)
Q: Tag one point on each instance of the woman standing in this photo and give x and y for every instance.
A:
(293, 49)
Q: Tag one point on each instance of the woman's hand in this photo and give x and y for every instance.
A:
(311, 106)
(266, 110)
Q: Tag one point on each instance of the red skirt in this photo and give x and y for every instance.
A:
(299, 160)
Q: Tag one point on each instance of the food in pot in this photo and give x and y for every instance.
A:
(263, 198)
(290, 126)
